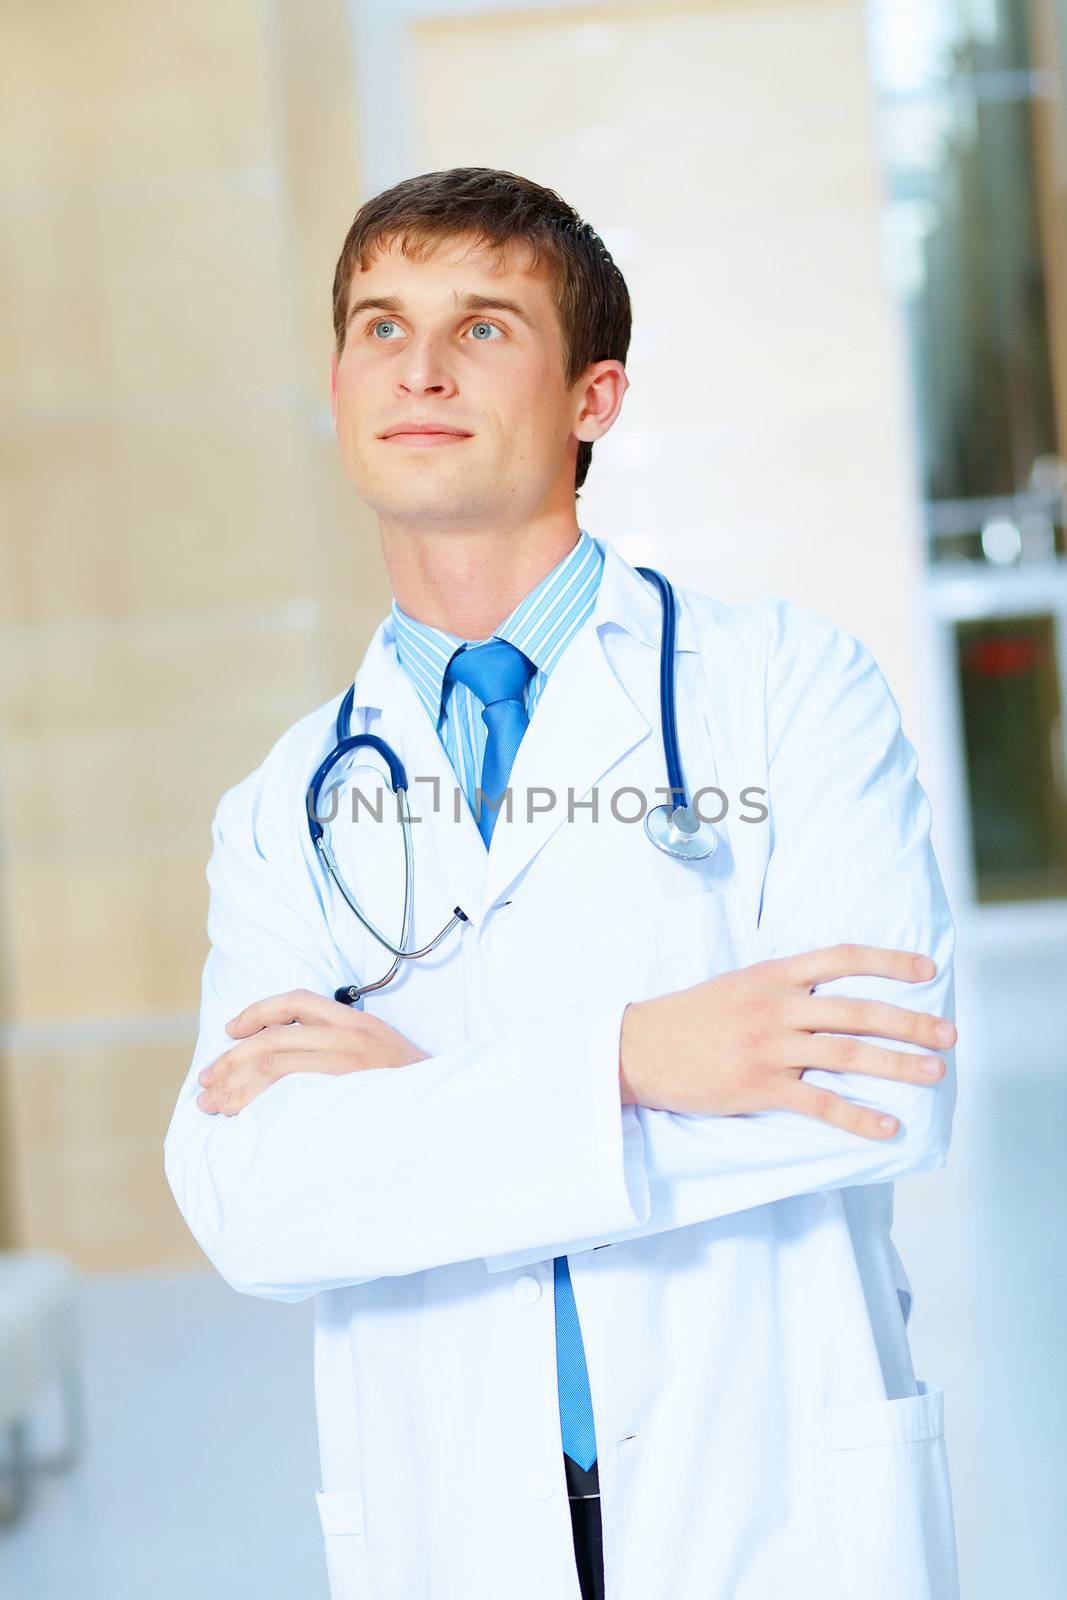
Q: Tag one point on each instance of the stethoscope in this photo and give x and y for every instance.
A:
(676, 830)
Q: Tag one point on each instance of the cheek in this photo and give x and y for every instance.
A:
(530, 422)
(357, 387)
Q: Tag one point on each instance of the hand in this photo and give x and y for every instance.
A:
(298, 1032)
(739, 1042)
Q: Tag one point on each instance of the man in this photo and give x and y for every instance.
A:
(595, 1197)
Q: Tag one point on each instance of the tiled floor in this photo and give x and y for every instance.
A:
(201, 1464)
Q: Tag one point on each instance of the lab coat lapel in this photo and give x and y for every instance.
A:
(451, 850)
(585, 721)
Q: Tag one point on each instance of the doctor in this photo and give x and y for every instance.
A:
(595, 1197)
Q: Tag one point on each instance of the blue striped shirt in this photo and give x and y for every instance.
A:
(541, 626)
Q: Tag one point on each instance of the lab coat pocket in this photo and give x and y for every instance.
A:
(341, 1515)
(886, 1483)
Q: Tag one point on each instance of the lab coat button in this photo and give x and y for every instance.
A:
(527, 1289)
(540, 1485)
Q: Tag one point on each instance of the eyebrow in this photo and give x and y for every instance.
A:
(467, 302)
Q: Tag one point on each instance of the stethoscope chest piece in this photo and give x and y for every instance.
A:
(679, 833)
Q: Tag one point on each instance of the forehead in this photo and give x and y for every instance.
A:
(456, 263)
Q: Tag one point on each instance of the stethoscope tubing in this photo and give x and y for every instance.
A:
(663, 836)
(667, 696)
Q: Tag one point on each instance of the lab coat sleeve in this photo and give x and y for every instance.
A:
(850, 860)
(323, 1181)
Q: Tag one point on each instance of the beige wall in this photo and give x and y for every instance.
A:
(184, 570)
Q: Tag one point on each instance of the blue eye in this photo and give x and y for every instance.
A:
(484, 336)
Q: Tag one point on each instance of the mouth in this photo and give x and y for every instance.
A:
(425, 438)
(416, 431)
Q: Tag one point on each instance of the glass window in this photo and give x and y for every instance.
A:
(965, 133)
(1013, 738)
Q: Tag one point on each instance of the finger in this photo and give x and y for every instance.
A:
(227, 1101)
(297, 1005)
(331, 1062)
(835, 1110)
(853, 960)
(876, 1018)
(218, 1101)
(851, 1055)
(233, 1092)
(269, 1044)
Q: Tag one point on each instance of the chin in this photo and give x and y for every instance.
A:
(426, 497)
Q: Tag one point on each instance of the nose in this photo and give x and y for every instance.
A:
(424, 369)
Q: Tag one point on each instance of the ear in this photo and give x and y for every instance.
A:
(333, 389)
(599, 394)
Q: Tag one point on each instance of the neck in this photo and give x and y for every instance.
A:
(467, 581)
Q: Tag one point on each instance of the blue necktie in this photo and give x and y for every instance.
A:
(497, 673)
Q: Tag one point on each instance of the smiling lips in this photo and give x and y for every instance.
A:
(424, 434)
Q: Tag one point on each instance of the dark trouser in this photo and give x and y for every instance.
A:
(583, 1489)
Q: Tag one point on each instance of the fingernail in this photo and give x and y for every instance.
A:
(932, 1067)
(888, 1123)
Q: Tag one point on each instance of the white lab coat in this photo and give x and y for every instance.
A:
(761, 1432)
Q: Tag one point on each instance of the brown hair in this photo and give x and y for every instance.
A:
(500, 208)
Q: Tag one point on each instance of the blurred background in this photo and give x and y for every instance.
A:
(844, 229)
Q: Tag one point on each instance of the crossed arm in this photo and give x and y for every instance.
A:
(340, 1168)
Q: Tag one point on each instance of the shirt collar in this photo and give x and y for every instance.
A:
(540, 626)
